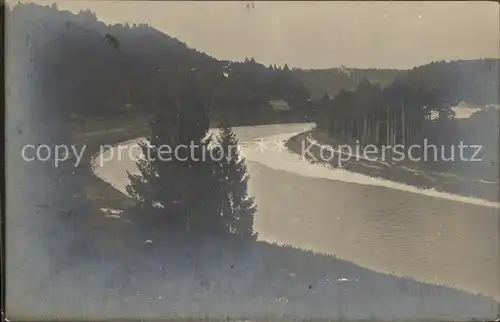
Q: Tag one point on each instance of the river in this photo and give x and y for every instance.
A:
(384, 226)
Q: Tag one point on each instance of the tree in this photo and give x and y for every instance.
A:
(323, 106)
(86, 14)
(236, 207)
(175, 181)
(203, 188)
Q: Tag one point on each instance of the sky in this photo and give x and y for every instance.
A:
(314, 34)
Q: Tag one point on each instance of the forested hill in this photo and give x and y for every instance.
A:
(89, 67)
(473, 81)
(82, 66)
(332, 81)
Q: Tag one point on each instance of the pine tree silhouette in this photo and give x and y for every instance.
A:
(237, 208)
(175, 180)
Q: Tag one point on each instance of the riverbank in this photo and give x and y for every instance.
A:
(411, 173)
(101, 226)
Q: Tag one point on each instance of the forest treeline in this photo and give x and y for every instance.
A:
(331, 81)
(416, 105)
(463, 80)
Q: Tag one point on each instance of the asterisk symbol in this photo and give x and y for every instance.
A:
(261, 145)
(279, 145)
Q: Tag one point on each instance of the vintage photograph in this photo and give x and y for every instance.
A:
(252, 160)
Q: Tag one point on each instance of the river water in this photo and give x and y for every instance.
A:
(384, 226)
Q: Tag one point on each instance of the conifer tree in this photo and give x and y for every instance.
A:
(176, 179)
(237, 207)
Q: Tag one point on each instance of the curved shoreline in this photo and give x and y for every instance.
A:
(293, 144)
(309, 169)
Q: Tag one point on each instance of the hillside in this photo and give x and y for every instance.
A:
(88, 66)
(332, 81)
(472, 81)
(82, 67)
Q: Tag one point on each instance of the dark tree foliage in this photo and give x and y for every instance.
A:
(333, 80)
(196, 183)
(472, 81)
(175, 178)
(391, 115)
(237, 207)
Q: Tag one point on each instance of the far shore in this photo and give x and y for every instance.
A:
(416, 174)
